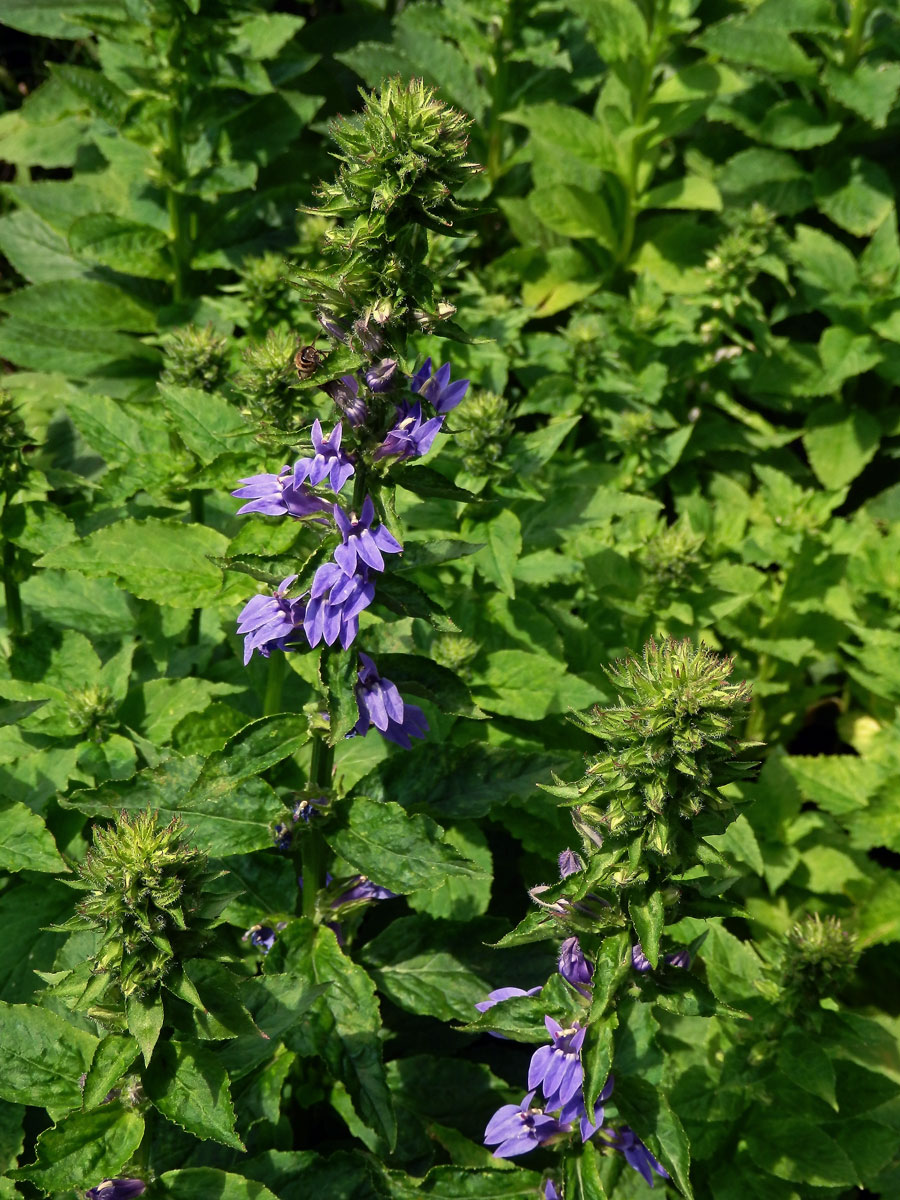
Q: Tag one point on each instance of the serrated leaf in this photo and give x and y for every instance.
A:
(420, 676)
(144, 1015)
(647, 1111)
(840, 441)
(426, 481)
(339, 677)
(407, 599)
(84, 1148)
(207, 424)
(113, 241)
(399, 851)
(188, 1084)
(190, 1183)
(807, 1064)
(112, 1058)
(26, 844)
(43, 1058)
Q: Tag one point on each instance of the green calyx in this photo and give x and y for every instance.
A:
(147, 892)
(669, 746)
(196, 358)
(402, 159)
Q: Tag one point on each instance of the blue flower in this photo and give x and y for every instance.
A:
(569, 864)
(519, 1128)
(329, 460)
(437, 389)
(277, 495)
(116, 1189)
(639, 960)
(362, 888)
(410, 437)
(575, 1110)
(381, 705)
(574, 967)
(262, 936)
(380, 378)
(550, 1191)
(335, 602)
(636, 1153)
(282, 837)
(305, 810)
(557, 1068)
(345, 393)
(270, 622)
(361, 541)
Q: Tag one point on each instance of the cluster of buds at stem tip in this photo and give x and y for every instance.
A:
(402, 163)
(147, 892)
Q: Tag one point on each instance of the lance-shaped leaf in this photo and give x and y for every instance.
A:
(112, 1058)
(646, 1109)
(420, 676)
(188, 1084)
(194, 1182)
(26, 844)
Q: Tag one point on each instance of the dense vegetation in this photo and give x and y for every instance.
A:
(558, 705)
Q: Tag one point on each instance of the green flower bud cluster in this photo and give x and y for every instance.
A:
(92, 711)
(265, 299)
(672, 557)
(818, 959)
(268, 381)
(196, 358)
(669, 746)
(402, 159)
(487, 426)
(147, 892)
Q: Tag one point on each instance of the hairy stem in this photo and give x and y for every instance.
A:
(11, 591)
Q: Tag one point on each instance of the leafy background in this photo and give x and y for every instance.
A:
(684, 281)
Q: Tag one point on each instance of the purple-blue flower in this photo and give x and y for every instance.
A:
(681, 958)
(437, 389)
(270, 622)
(636, 1153)
(328, 462)
(569, 864)
(557, 1067)
(335, 602)
(345, 394)
(575, 1110)
(550, 1191)
(362, 888)
(574, 967)
(262, 936)
(282, 837)
(116, 1189)
(275, 495)
(519, 1128)
(381, 705)
(380, 378)
(410, 437)
(305, 810)
(361, 541)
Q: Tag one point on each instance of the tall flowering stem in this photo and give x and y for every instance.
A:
(644, 809)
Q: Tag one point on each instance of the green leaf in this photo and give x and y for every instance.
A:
(856, 194)
(354, 1051)
(43, 1058)
(189, 1085)
(823, 263)
(207, 424)
(698, 81)
(53, 18)
(80, 304)
(797, 125)
(194, 1182)
(165, 561)
(692, 191)
(503, 545)
(112, 241)
(647, 917)
(225, 806)
(870, 89)
(433, 551)
(400, 595)
(582, 1175)
(574, 212)
(741, 40)
(417, 963)
(466, 1183)
(426, 481)
(520, 684)
(401, 852)
(616, 27)
(804, 1061)
(772, 177)
(795, 1149)
(571, 131)
(597, 1056)
(84, 1148)
(112, 1058)
(647, 1111)
(339, 673)
(840, 441)
(144, 1015)
(26, 844)
(458, 898)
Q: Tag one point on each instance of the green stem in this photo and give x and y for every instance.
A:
(853, 38)
(11, 591)
(312, 845)
(193, 638)
(274, 682)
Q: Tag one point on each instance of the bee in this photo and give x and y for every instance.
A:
(307, 360)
